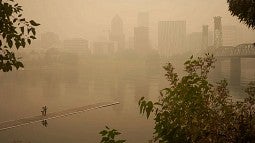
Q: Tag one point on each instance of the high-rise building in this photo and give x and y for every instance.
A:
(116, 32)
(194, 41)
(102, 48)
(77, 46)
(210, 38)
(171, 37)
(200, 41)
(217, 32)
(143, 19)
(230, 35)
(205, 34)
(141, 38)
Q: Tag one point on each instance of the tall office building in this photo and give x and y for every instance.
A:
(217, 32)
(194, 41)
(171, 37)
(230, 35)
(116, 33)
(141, 38)
(143, 19)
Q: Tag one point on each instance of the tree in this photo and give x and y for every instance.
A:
(192, 109)
(244, 10)
(15, 31)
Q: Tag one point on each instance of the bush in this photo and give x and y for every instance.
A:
(192, 109)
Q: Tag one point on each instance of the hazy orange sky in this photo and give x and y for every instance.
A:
(90, 19)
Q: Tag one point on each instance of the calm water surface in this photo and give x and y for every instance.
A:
(24, 92)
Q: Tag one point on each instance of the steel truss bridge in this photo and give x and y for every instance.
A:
(234, 54)
(241, 51)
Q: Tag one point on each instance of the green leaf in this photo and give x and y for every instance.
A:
(29, 41)
(10, 43)
(33, 31)
(14, 20)
(32, 37)
(32, 22)
(149, 109)
(104, 132)
(23, 42)
(17, 43)
(20, 64)
(22, 29)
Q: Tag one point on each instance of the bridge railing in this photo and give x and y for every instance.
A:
(240, 50)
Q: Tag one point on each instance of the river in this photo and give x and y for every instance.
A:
(24, 92)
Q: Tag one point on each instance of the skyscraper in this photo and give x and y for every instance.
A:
(141, 38)
(194, 41)
(116, 33)
(217, 32)
(171, 37)
(230, 35)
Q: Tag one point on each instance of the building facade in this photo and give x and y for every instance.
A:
(116, 32)
(102, 48)
(171, 37)
(77, 46)
(230, 35)
(141, 38)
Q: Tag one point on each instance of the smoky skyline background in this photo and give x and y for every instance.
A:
(82, 57)
(91, 19)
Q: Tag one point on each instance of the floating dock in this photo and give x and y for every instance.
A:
(34, 119)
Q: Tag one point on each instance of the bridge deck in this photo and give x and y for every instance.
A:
(29, 120)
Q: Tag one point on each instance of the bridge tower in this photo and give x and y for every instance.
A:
(205, 37)
(217, 32)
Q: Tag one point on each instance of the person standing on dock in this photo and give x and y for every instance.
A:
(44, 111)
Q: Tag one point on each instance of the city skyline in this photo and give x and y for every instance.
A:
(91, 23)
(141, 38)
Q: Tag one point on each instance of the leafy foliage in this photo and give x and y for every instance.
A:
(15, 31)
(244, 10)
(192, 109)
(108, 136)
